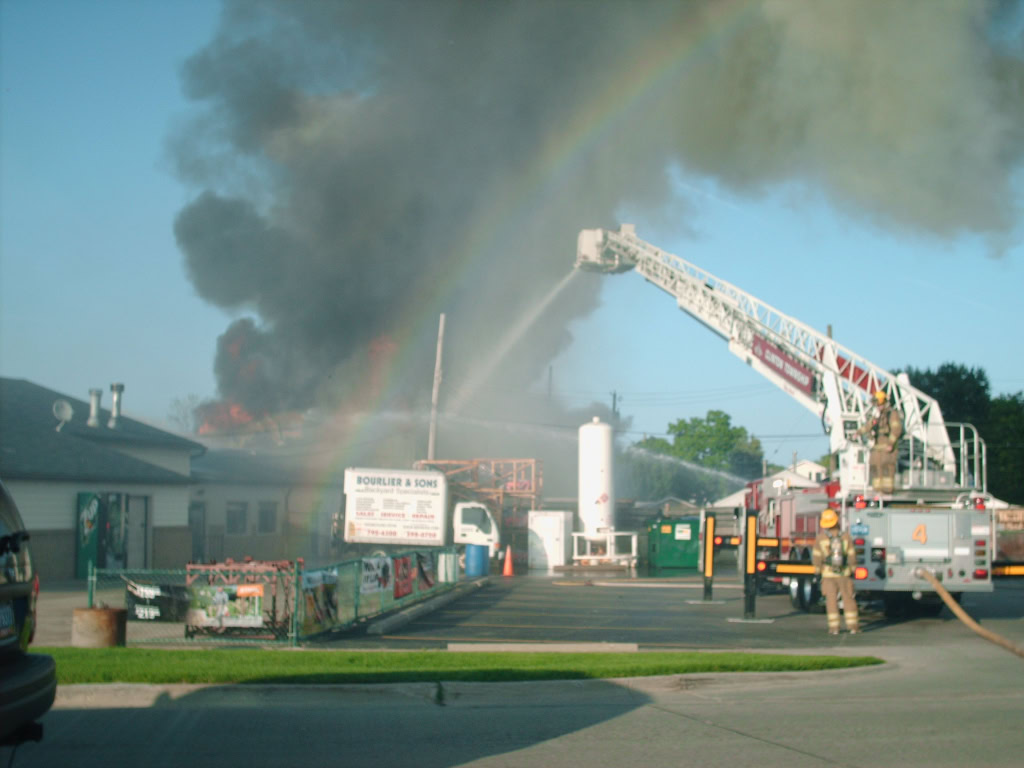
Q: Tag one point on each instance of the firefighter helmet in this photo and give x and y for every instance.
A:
(880, 396)
(829, 518)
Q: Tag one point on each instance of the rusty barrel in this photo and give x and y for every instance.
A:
(98, 627)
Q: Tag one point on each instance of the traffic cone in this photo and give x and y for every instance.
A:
(508, 562)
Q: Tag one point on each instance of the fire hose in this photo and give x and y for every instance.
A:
(961, 614)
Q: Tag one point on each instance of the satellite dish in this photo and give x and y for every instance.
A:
(63, 411)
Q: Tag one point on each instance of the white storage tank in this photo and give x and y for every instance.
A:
(596, 486)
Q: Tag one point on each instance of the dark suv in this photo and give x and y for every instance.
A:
(28, 681)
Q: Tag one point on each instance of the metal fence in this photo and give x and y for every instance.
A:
(268, 602)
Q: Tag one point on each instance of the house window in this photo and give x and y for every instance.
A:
(268, 517)
(237, 522)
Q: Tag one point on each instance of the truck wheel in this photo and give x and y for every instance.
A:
(794, 593)
(807, 593)
(804, 591)
(794, 585)
(812, 592)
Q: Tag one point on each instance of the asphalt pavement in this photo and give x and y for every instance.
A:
(944, 697)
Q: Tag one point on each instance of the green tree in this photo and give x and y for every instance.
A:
(703, 459)
(1004, 442)
(715, 443)
(964, 396)
(963, 393)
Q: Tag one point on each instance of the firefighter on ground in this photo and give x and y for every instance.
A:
(884, 429)
(834, 559)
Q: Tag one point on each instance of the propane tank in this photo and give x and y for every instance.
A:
(596, 486)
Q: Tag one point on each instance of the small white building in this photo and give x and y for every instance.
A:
(265, 506)
(92, 484)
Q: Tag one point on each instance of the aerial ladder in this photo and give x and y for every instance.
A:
(938, 519)
(833, 382)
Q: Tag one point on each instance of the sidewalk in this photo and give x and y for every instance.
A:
(57, 602)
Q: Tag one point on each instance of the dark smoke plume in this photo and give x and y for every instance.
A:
(362, 166)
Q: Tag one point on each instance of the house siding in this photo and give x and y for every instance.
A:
(172, 547)
(49, 511)
(303, 526)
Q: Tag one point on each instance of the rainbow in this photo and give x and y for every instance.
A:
(558, 160)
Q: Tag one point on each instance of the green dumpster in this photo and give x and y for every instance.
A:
(673, 545)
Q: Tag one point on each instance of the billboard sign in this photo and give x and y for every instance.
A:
(393, 506)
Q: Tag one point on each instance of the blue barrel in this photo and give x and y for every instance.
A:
(477, 561)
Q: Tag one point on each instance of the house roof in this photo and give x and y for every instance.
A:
(790, 479)
(33, 448)
(245, 467)
(734, 499)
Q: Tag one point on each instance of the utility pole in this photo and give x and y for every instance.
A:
(432, 438)
(615, 404)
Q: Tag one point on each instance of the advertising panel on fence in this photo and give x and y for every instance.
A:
(393, 506)
(425, 572)
(376, 575)
(156, 602)
(404, 576)
(226, 605)
(320, 591)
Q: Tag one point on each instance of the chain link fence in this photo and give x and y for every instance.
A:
(268, 602)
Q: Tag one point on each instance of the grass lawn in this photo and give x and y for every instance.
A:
(150, 665)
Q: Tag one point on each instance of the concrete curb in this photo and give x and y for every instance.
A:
(403, 617)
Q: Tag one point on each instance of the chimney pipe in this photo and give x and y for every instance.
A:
(95, 395)
(115, 406)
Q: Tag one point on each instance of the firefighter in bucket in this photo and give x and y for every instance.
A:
(884, 429)
(834, 559)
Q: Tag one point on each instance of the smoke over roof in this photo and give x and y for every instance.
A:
(361, 167)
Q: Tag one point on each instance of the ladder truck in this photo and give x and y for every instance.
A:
(938, 517)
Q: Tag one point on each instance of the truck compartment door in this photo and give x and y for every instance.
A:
(920, 537)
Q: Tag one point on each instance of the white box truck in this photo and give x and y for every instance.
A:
(412, 508)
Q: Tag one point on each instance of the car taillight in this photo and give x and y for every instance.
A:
(860, 573)
(979, 503)
(981, 573)
(860, 502)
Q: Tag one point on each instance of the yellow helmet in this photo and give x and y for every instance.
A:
(880, 396)
(829, 518)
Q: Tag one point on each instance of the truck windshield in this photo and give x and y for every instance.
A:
(476, 517)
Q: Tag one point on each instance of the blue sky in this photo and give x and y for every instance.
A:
(93, 289)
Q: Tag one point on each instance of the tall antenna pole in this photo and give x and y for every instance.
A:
(432, 439)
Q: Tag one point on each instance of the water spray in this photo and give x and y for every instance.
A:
(510, 339)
